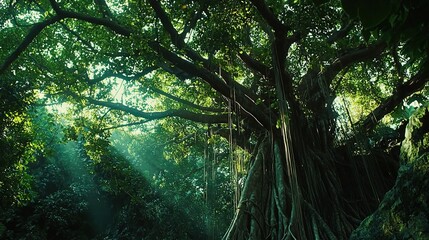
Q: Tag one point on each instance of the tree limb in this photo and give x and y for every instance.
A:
(109, 74)
(256, 65)
(341, 33)
(104, 8)
(192, 23)
(282, 79)
(87, 18)
(269, 17)
(98, 21)
(258, 112)
(196, 117)
(185, 102)
(174, 70)
(353, 56)
(165, 20)
(178, 41)
(32, 34)
(416, 83)
(126, 125)
(315, 83)
(61, 14)
(397, 62)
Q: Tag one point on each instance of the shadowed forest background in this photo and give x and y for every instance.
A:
(229, 119)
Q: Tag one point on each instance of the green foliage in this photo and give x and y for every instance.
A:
(227, 22)
(394, 21)
(406, 111)
(133, 184)
(174, 178)
(371, 13)
(403, 212)
(417, 135)
(15, 140)
(176, 170)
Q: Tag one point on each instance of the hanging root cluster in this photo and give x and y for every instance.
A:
(305, 191)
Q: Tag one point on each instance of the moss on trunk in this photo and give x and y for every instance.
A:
(404, 211)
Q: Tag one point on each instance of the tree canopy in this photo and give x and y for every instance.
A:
(290, 119)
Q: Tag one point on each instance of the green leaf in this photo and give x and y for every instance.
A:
(416, 97)
(374, 12)
(398, 113)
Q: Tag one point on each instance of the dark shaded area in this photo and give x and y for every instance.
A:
(271, 72)
(113, 202)
(404, 211)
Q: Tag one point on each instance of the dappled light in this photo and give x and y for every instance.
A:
(239, 119)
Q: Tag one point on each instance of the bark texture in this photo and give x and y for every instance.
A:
(404, 211)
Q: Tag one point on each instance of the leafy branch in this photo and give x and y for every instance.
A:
(258, 112)
(181, 113)
(94, 20)
(32, 34)
(110, 74)
(416, 83)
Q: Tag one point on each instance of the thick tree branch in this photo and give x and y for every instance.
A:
(165, 20)
(314, 80)
(32, 34)
(98, 21)
(246, 96)
(341, 33)
(104, 8)
(61, 14)
(185, 102)
(212, 79)
(55, 5)
(110, 74)
(256, 65)
(258, 112)
(175, 71)
(269, 17)
(126, 125)
(196, 117)
(398, 65)
(416, 83)
(282, 79)
(192, 23)
(89, 45)
(316, 86)
(178, 41)
(353, 56)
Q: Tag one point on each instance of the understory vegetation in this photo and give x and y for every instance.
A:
(229, 119)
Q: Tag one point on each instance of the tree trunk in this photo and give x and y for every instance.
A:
(404, 211)
(301, 187)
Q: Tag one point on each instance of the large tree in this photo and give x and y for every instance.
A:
(275, 78)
